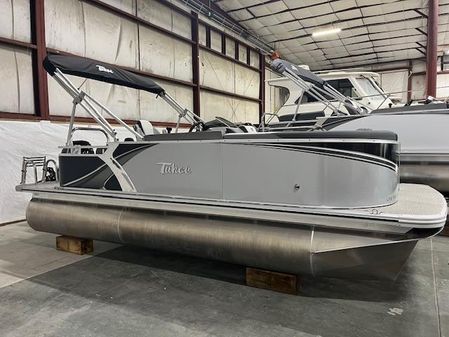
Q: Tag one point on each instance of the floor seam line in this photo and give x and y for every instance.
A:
(437, 307)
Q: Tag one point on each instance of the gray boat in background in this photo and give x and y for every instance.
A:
(421, 128)
(330, 205)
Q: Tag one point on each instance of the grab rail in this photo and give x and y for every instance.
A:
(85, 128)
(48, 173)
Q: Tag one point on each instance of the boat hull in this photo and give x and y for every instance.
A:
(245, 167)
(294, 248)
(424, 153)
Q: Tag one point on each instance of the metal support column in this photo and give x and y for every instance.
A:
(432, 48)
(38, 29)
(261, 86)
(409, 81)
(195, 64)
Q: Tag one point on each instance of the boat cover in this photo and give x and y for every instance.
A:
(280, 66)
(83, 67)
(414, 108)
(214, 135)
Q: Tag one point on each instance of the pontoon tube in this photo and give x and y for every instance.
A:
(291, 248)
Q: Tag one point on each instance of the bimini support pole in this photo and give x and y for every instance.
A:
(185, 113)
(76, 101)
(87, 103)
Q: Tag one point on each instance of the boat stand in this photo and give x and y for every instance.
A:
(271, 280)
(74, 245)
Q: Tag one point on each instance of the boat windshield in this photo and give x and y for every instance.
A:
(344, 86)
(369, 88)
(220, 122)
(279, 96)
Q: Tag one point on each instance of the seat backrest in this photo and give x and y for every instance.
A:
(248, 128)
(301, 116)
(352, 110)
(145, 128)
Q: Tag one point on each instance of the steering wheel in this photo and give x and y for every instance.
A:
(199, 126)
(227, 123)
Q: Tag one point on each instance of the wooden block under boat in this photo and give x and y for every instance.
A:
(74, 245)
(271, 280)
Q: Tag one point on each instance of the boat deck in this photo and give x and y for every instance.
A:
(418, 206)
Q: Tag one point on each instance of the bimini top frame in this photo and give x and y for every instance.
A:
(316, 87)
(59, 65)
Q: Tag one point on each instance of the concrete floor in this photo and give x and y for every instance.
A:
(129, 291)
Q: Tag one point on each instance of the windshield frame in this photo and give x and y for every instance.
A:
(379, 92)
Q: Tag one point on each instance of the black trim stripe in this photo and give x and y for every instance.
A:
(330, 153)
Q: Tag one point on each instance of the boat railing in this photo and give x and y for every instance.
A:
(47, 173)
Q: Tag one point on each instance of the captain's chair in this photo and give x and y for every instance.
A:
(145, 128)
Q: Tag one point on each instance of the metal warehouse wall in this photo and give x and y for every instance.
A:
(204, 67)
(409, 77)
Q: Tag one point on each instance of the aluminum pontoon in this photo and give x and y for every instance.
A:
(421, 129)
(317, 203)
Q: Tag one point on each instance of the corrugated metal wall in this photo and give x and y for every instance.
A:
(16, 74)
(153, 37)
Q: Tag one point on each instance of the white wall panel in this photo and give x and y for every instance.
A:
(246, 81)
(254, 60)
(156, 109)
(215, 40)
(418, 66)
(64, 26)
(443, 86)
(15, 20)
(226, 75)
(16, 94)
(235, 110)
(86, 30)
(230, 47)
(216, 72)
(163, 16)
(163, 55)
(418, 86)
(110, 38)
(128, 6)
(242, 53)
(395, 82)
(202, 34)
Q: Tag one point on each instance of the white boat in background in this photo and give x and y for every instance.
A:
(361, 86)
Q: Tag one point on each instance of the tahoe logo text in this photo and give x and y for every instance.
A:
(172, 168)
(104, 69)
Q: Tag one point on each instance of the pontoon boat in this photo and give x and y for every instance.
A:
(317, 203)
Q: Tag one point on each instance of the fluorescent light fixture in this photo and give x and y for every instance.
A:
(324, 32)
